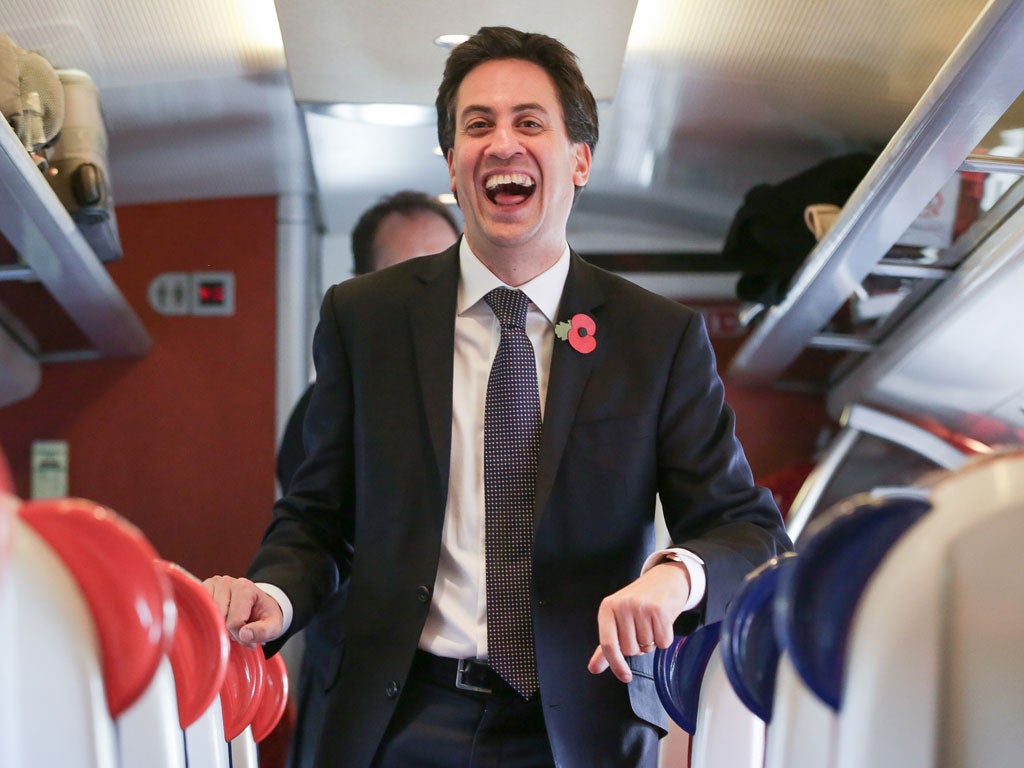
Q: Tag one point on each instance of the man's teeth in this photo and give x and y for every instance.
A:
(503, 179)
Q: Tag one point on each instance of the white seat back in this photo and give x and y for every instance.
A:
(50, 662)
(802, 733)
(89, 618)
(205, 744)
(148, 732)
(814, 605)
(728, 734)
(199, 660)
(240, 700)
(243, 750)
(935, 672)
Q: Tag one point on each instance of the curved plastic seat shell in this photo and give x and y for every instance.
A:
(243, 688)
(54, 707)
(750, 651)
(199, 650)
(274, 700)
(679, 670)
(130, 599)
(817, 598)
(936, 672)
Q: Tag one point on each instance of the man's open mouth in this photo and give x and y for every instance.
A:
(509, 188)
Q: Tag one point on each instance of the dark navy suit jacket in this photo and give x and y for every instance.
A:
(643, 414)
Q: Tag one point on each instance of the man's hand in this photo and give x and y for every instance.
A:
(251, 615)
(639, 617)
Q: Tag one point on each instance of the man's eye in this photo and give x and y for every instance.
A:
(476, 125)
(530, 125)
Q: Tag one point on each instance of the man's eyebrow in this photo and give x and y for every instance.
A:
(480, 109)
(477, 109)
(530, 107)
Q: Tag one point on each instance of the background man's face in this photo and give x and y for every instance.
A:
(402, 236)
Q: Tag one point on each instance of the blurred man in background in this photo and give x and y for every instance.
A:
(398, 227)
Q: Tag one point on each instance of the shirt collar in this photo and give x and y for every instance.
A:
(476, 280)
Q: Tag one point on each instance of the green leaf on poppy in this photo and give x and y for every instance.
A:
(562, 330)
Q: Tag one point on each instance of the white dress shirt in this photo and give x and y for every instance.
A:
(457, 623)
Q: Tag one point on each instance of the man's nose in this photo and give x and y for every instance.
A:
(504, 142)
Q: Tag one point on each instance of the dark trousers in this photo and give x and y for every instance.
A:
(437, 725)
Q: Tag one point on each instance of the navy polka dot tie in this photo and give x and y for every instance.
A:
(512, 427)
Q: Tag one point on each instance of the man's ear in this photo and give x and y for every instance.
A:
(451, 171)
(451, 162)
(583, 157)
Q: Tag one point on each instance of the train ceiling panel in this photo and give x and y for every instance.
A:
(701, 100)
(357, 52)
(710, 97)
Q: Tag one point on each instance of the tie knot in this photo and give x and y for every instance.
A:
(509, 306)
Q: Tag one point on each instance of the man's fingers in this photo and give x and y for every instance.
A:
(614, 660)
(638, 618)
(637, 631)
(598, 663)
(250, 615)
(241, 609)
(613, 631)
(645, 635)
(219, 588)
(626, 633)
(664, 634)
(256, 632)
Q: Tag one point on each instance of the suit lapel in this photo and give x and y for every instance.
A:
(569, 373)
(432, 330)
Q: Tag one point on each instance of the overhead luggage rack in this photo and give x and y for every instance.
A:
(53, 252)
(979, 82)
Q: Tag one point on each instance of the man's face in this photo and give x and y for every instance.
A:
(402, 236)
(513, 166)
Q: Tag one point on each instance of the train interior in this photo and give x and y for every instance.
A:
(835, 186)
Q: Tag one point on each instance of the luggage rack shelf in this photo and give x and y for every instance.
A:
(979, 82)
(54, 253)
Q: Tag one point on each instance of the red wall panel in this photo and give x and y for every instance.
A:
(181, 441)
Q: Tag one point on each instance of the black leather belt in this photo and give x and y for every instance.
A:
(461, 674)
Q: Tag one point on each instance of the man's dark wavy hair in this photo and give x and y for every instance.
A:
(491, 43)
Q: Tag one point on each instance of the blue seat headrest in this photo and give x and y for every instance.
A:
(750, 652)
(816, 599)
(679, 670)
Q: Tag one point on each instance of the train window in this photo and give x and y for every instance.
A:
(874, 462)
(874, 450)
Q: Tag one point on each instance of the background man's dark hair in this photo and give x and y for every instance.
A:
(578, 106)
(405, 202)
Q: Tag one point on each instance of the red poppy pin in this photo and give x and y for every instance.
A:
(579, 332)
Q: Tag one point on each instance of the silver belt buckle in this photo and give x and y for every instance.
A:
(466, 686)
